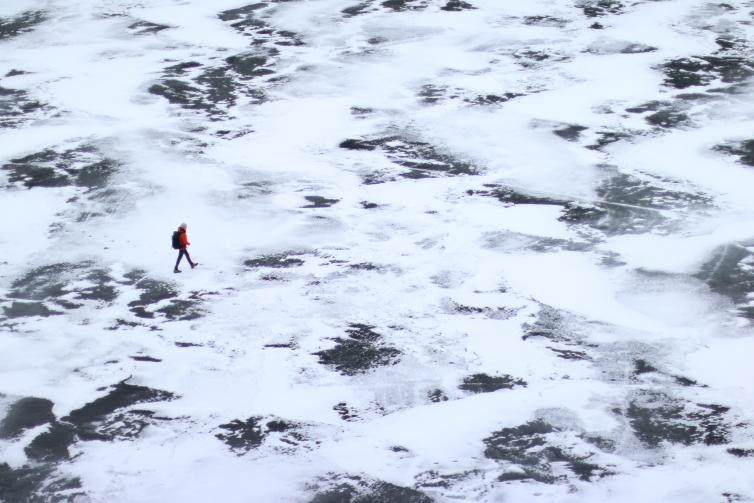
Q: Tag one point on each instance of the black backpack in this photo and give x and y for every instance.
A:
(176, 241)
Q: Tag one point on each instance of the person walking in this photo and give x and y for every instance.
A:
(182, 243)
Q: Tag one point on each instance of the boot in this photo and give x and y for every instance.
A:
(176, 270)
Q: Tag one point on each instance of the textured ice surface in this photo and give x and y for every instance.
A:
(448, 251)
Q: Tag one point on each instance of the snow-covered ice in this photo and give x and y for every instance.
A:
(449, 250)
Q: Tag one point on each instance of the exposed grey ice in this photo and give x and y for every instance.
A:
(448, 250)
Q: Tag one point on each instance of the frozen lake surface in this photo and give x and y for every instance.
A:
(450, 250)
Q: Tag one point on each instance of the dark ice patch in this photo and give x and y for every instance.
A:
(483, 383)
(627, 204)
(457, 6)
(357, 9)
(187, 309)
(250, 22)
(356, 489)
(37, 170)
(354, 144)
(729, 43)
(272, 277)
(730, 272)
(154, 293)
(731, 497)
(361, 112)
(650, 106)
(433, 479)
(277, 261)
(570, 132)
(405, 5)
(181, 68)
(366, 266)
(534, 451)
(240, 13)
(685, 381)
(656, 418)
(743, 150)
(96, 175)
(664, 114)
(250, 65)
(741, 453)
(598, 8)
(562, 328)
(146, 27)
(59, 285)
(101, 288)
(642, 367)
(493, 99)
(178, 92)
(496, 313)
(121, 395)
(627, 189)
(421, 159)
(121, 323)
(550, 324)
(569, 354)
(44, 282)
(437, 396)
(244, 436)
(358, 353)
(125, 425)
(513, 196)
(668, 118)
(83, 166)
(216, 90)
(37, 484)
(345, 412)
(319, 202)
(682, 73)
(52, 445)
(18, 108)
(532, 55)
(431, 94)
(605, 138)
(107, 417)
(602, 443)
(537, 56)
(26, 413)
(145, 358)
(637, 49)
(545, 21)
(609, 48)
(28, 310)
(462, 309)
(25, 22)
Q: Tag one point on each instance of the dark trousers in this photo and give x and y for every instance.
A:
(181, 253)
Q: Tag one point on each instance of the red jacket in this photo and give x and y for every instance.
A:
(183, 238)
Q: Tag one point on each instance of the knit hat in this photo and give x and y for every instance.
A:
(182, 226)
